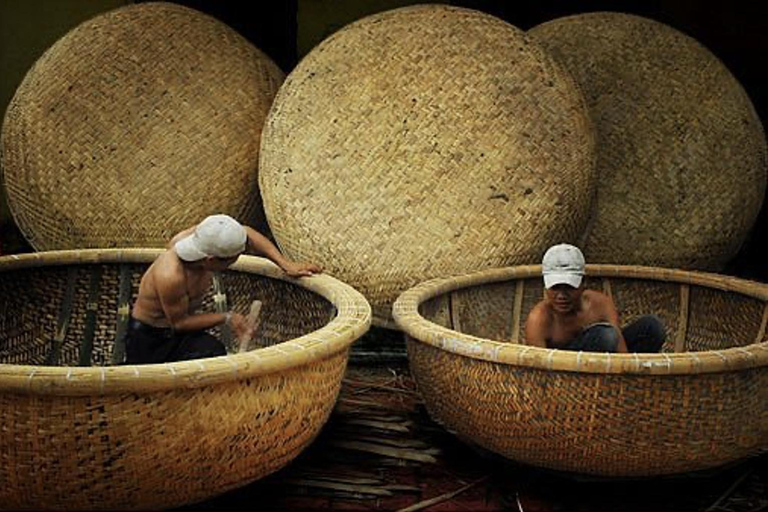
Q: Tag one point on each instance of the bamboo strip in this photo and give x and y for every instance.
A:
(221, 306)
(92, 308)
(321, 484)
(395, 453)
(62, 323)
(123, 314)
(517, 310)
(682, 324)
(761, 332)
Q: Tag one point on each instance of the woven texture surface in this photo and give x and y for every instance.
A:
(159, 436)
(699, 404)
(425, 141)
(681, 151)
(135, 125)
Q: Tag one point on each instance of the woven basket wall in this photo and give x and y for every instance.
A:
(425, 141)
(135, 125)
(701, 403)
(86, 434)
(681, 151)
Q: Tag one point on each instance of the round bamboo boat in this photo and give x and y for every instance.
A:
(698, 404)
(80, 431)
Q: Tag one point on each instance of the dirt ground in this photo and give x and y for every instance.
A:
(381, 451)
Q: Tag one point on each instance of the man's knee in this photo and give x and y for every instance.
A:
(199, 346)
(655, 333)
(655, 327)
(602, 338)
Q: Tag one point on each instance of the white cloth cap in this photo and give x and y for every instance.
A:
(218, 236)
(563, 263)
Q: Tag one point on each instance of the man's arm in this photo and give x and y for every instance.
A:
(537, 327)
(261, 245)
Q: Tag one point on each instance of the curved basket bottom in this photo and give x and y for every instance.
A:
(161, 450)
(600, 424)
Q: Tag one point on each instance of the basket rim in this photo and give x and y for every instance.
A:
(405, 311)
(352, 320)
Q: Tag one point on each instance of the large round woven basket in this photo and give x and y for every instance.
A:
(681, 151)
(86, 434)
(698, 404)
(135, 125)
(422, 142)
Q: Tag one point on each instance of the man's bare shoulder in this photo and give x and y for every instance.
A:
(539, 313)
(167, 269)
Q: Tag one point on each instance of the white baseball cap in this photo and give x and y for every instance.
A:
(562, 263)
(218, 236)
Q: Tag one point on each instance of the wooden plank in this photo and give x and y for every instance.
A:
(221, 306)
(397, 443)
(245, 342)
(381, 425)
(62, 322)
(682, 322)
(517, 310)
(386, 451)
(123, 313)
(337, 486)
(91, 312)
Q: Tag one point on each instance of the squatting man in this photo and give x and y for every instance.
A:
(164, 325)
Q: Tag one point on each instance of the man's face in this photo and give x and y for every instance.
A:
(564, 298)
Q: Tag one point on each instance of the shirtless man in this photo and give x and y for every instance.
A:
(164, 326)
(572, 318)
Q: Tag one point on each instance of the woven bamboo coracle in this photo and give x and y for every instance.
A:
(135, 125)
(680, 149)
(87, 434)
(698, 404)
(422, 142)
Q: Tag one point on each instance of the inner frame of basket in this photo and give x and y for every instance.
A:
(696, 318)
(83, 308)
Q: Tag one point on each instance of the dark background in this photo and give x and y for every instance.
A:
(286, 30)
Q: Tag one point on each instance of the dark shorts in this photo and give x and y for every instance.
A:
(644, 335)
(145, 344)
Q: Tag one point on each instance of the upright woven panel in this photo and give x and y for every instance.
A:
(421, 142)
(681, 151)
(135, 125)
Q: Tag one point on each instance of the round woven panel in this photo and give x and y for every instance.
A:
(423, 142)
(134, 125)
(681, 151)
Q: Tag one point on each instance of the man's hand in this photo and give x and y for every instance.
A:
(294, 269)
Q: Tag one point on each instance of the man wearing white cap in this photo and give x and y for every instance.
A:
(573, 318)
(164, 326)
